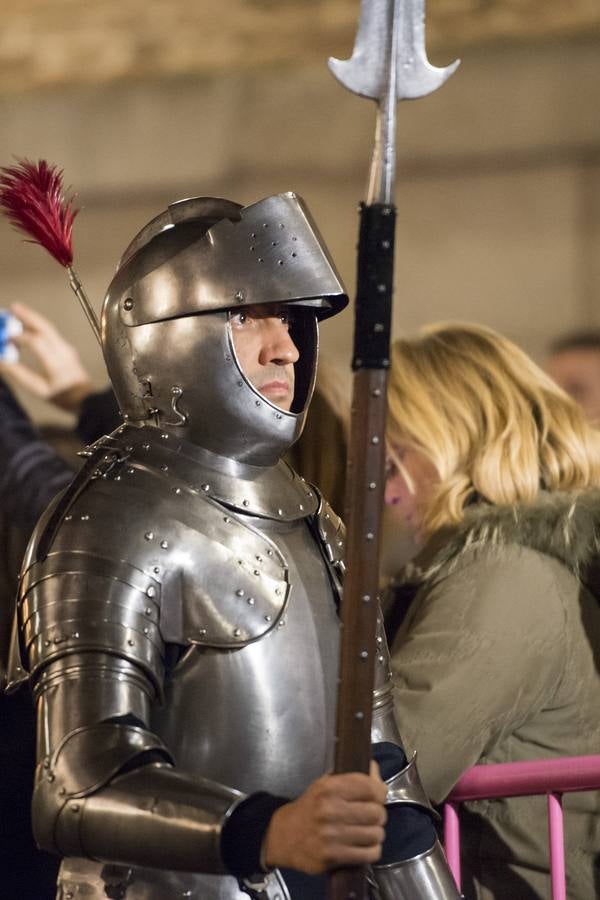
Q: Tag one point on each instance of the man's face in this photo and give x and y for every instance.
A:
(265, 350)
(578, 373)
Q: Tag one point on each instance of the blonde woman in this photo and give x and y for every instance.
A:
(498, 657)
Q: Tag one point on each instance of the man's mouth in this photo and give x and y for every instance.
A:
(274, 389)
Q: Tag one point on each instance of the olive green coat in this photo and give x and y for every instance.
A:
(498, 660)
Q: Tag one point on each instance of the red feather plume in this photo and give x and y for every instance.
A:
(32, 198)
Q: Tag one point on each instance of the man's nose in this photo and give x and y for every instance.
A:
(277, 344)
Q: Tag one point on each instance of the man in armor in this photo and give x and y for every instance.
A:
(178, 603)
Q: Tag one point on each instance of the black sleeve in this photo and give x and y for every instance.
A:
(99, 415)
(31, 473)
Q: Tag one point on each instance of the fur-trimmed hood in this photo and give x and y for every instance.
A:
(563, 525)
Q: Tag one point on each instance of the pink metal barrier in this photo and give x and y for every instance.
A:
(552, 777)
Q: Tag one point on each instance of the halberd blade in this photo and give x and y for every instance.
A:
(367, 71)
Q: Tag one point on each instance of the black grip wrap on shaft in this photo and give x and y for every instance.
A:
(374, 286)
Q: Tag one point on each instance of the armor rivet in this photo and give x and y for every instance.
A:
(68, 518)
(273, 243)
(260, 259)
(268, 618)
(251, 601)
(164, 545)
(117, 477)
(75, 808)
(47, 643)
(340, 543)
(294, 238)
(62, 793)
(145, 446)
(279, 512)
(106, 457)
(253, 234)
(245, 503)
(75, 635)
(146, 631)
(85, 518)
(46, 763)
(279, 262)
(148, 611)
(294, 254)
(379, 639)
(359, 715)
(227, 357)
(259, 559)
(131, 642)
(309, 493)
(326, 515)
(372, 485)
(240, 384)
(377, 392)
(366, 598)
(281, 624)
(128, 304)
(165, 436)
(205, 488)
(130, 470)
(156, 570)
(149, 536)
(281, 225)
(258, 403)
(265, 224)
(240, 592)
(226, 519)
(269, 552)
(257, 572)
(364, 654)
(278, 416)
(57, 640)
(237, 632)
(202, 632)
(369, 535)
(381, 659)
(301, 506)
(375, 439)
(252, 248)
(128, 448)
(150, 591)
(277, 592)
(51, 777)
(164, 467)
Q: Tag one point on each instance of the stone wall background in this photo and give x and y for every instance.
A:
(142, 103)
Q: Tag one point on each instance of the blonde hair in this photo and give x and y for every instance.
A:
(489, 419)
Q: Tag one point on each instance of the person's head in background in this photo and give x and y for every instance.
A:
(574, 363)
(473, 418)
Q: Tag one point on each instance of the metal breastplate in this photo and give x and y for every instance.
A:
(248, 605)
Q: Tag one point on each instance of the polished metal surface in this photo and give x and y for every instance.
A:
(276, 492)
(405, 787)
(175, 615)
(165, 323)
(383, 723)
(426, 877)
(389, 63)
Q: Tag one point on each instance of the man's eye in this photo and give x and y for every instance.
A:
(240, 318)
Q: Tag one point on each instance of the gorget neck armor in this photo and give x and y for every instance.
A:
(166, 321)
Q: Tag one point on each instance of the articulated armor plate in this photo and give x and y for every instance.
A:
(178, 608)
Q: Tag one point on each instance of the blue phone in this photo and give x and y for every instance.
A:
(10, 327)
